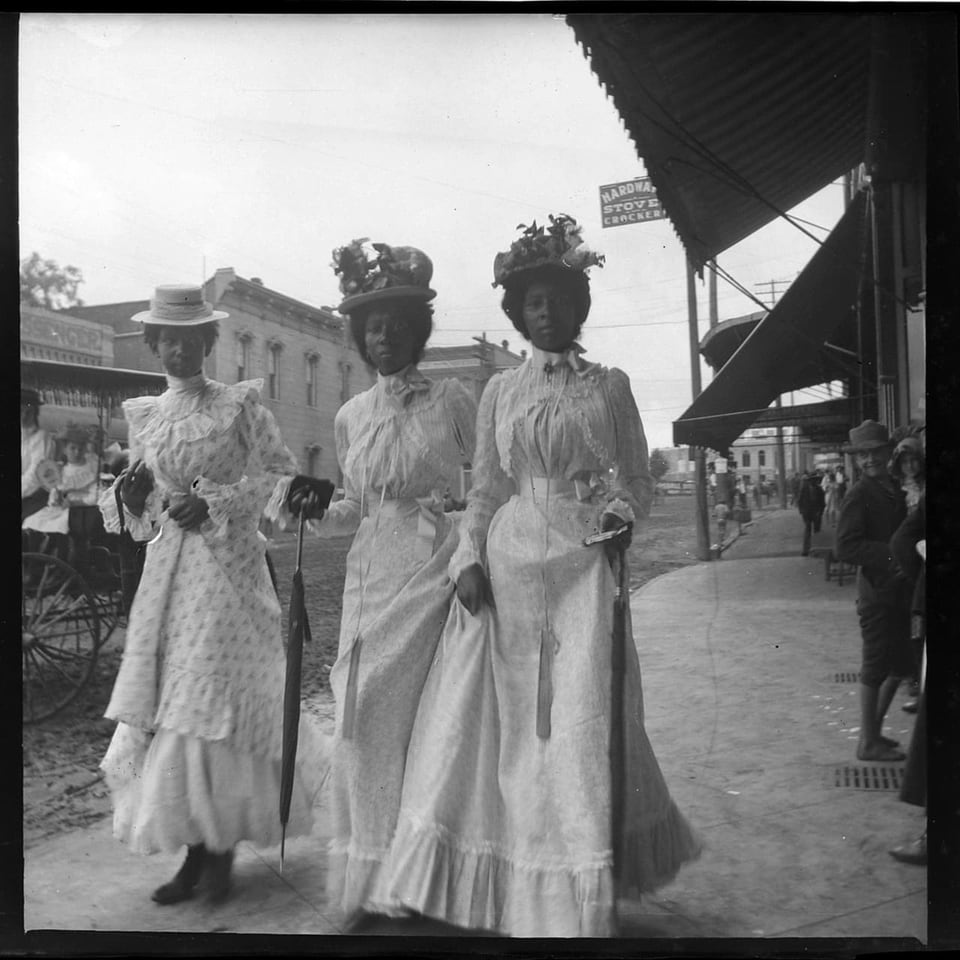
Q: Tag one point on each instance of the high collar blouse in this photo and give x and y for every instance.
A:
(405, 438)
(557, 416)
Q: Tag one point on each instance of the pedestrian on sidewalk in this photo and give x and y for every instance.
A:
(907, 467)
(909, 547)
(506, 817)
(810, 503)
(830, 504)
(195, 759)
(871, 513)
(401, 445)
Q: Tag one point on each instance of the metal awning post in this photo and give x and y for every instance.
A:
(700, 467)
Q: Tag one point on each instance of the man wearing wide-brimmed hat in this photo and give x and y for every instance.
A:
(869, 516)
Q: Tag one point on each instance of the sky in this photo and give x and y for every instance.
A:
(156, 148)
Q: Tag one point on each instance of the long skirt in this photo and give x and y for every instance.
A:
(505, 828)
(396, 597)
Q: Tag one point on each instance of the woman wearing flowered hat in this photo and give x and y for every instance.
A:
(196, 756)
(400, 445)
(506, 816)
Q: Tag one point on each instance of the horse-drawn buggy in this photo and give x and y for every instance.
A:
(72, 597)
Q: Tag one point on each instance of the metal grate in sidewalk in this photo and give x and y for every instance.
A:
(846, 678)
(868, 777)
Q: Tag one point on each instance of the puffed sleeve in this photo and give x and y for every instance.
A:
(342, 518)
(491, 487)
(632, 481)
(462, 409)
(270, 465)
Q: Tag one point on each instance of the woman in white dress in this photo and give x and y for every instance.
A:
(505, 822)
(195, 759)
(401, 446)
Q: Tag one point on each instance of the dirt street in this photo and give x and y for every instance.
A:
(62, 786)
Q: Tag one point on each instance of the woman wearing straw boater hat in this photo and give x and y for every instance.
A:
(506, 819)
(869, 515)
(401, 445)
(196, 756)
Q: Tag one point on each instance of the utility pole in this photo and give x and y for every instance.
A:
(714, 311)
(780, 455)
(700, 467)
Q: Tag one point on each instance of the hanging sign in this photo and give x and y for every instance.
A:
(630, 201)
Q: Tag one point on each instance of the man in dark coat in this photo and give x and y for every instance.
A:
(811, 503)
(870, 514)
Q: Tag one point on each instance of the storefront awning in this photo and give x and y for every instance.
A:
(793, 347)
(736, 116)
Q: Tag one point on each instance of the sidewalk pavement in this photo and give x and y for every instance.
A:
(749, 667)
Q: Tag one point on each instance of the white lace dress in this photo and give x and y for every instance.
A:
(505, 821)
(401, 445)
(199, 695)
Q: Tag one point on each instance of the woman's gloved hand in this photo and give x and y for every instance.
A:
(310, 495)
(473, 589)
(190, 511)
(135, 486)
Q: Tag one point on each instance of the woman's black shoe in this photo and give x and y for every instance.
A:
(216, 876)
(181, 886)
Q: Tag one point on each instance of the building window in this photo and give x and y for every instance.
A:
(745, 460)
(273, 375)
(313, 459)
(243, 357)
(311, 379)
(761, 458)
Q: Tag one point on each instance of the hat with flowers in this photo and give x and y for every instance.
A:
(373, 272)
(558, 245)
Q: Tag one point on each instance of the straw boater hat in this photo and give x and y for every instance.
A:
(559, 245)
(870, 435)
(179, 305)
(378, 272)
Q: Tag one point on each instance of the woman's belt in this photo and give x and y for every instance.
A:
(430, 509)
(540, 488)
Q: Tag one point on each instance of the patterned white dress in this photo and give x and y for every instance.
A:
(198, 699)
(401, 445)
(505, 817)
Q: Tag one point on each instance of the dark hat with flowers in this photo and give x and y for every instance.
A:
(373, 272)
(557, 245)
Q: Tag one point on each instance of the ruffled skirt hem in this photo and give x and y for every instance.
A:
(443, 877)
(169, 790)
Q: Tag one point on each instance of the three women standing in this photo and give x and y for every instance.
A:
(195, 759)
(505, 822)
(400, 445)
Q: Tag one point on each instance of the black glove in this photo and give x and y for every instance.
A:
(610, 521)
(312, 492)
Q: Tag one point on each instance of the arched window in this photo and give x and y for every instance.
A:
(244, 339)
(745, 459)
(273, 371)
(310, 378)
(761, 458)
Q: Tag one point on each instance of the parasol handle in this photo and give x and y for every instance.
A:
(300, 521)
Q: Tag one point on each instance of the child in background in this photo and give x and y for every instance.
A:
(77, 486)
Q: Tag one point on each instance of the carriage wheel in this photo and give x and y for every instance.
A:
(60, 635)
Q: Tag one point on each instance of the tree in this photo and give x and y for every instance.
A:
(659, 465)
(44, 283)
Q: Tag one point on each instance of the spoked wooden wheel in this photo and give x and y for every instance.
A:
(60, 632)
